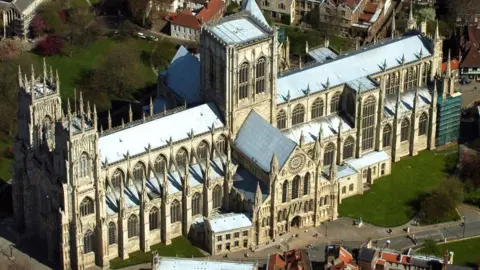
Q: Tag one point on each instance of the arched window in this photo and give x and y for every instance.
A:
(410, 79)
(350, 187)
(196, 204)
(306, 184)
(212, 70)
(310, 205)
(260, 76)
(222, 144)
(175, 214)
(217, 197)
(426, 72)
(132, 226)
(84, 165)
(153, 218)
(86, 207)
(181, 158)
(281, 119)
(350, 104)
(348, 148)
(295, 187)
(160, 164)
(47, 128)
(335, 104)
(285, 191)
(305, 207)
(328, 155)
(243, 81)
(344, 190)
(422, 124)
(368, 123)
(298, 115)
(88, 242)
(202, 150)
(139, 171)
(281, 6)
(112, 233)
(279, 216)
(392, 83)
(325, 200)
(387, 136)
(404, 136)
(117, 178)
(317, 108)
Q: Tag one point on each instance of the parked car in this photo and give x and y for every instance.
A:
(141, 35)
(152, 38)
(465, 80)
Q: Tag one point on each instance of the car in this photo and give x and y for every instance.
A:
(141, 35)
(465, 80)
(152, 38)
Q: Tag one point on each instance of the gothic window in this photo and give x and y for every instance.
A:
(243, 81)
(325, 201)
(88, 242)
(132, 226)
(328, 155)
(387, 136)
(202, 150)
(153, 218)
(335, 104)
(86, 207)
(351, 104)
(405, 130)
(348, 148)
(298, 114)
(196, 204)
(84, 166)
(392, 83)
(181, 158)
(160, 164)
(222, 144)
(260, 76)
(175, 212)
(426, 72)
(350, 187)
(382, 169)
(368, 122)
(279, 216)
(422, 124)
(281, 119)
(305, 207)
(138, 171)
(344, 190)
(47, 128)
(117, 178)
(281, 6)
(317, 108)
(306, 184)
(410, 79)
(295, 187)
(217, 197)
(112, 233)
(311, 153)
(212, 71)
(284, 191)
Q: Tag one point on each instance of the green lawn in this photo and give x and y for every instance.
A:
(5, 163)
(393, 200)
(180, 247)
(466, 252)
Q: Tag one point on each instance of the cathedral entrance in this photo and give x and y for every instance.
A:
(295, 222)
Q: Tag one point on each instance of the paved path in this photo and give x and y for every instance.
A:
(469, 93)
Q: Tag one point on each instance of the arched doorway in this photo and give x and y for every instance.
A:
(295, 222)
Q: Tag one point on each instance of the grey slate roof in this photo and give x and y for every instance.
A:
(366, 254)
(22, 5)
(258, 140)
(246, 183)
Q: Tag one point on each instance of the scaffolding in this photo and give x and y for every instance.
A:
(448, 118)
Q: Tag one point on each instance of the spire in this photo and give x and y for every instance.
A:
(316, 151)
(109, 124)
(51, 75)
(300, 64)
(411, 23)
(165, 179)
(89, 112)
(123, 123)
(80, 103)
(45, 71)
(302, 139)
(449, 67)
(258, 195)
(320, 135)
(150, 107)
(20, 83)
(32, 82)
(252, 7)
(69, 109)
(393, 24)
(333, 171)
(437, 32)
(306, 46)
(130, 113)
(410, 15)
(274, 164)
(95, 118)
(57, 81)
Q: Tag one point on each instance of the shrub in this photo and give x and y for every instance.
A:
(9, 49)
(51, 45)
(37, 26)
(285, 19)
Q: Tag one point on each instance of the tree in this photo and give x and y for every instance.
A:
(9, 49)
(437, 205)
(454, 188)
(430, 248)
(233, 7)
(463, 9)
(51, 45)
(428, 14)
(37, 26)
(139, 10)
(82, 28)
(163, 54)
(120, 73)
(53, 14)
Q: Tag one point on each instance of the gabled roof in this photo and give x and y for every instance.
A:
(367, 160)
(366, 254)
(187, 19)
(252, 7)
(185, 84)
(228, 222)
(257, 139)
(211, 8)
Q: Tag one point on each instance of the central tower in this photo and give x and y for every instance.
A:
(239, 66)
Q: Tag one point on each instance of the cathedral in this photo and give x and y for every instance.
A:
(262, 149)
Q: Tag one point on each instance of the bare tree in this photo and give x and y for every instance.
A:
(463, 9)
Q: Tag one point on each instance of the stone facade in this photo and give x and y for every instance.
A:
(88, 210)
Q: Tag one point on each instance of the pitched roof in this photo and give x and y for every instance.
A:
(351, 66)
(296, 259)
(366, 254)
(246, 183)
(184, 84)
(367, 160)
(454, 64)
(187, 19)
(252, 7)
(471, 57)
(257, 139)
(211, 8)
(239, 31)
(228, 222)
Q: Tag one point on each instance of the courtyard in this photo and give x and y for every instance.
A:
(394, 200)
(466, 252)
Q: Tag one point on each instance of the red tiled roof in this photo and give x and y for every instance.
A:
(344, 255)
(352, 4)
(370, 7)
(454, 64)
(211, 9)
(186, 18)
(471, 57)
(295, 259)
(381, 262)
(365, 17)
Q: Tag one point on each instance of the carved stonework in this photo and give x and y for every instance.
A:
(297, 163)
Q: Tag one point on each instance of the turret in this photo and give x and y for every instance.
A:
(274, 164)
(258, 195)
(393, 24)
(411, 23)
(130, 113)
(109, 120)
(150, 107)
(302, 139)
